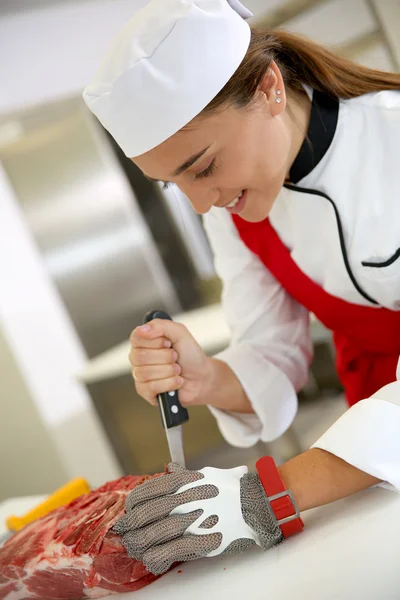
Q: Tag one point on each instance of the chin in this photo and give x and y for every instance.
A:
(256, 214)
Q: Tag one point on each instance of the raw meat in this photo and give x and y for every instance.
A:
(72, 554)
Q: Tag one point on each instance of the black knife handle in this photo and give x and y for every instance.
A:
(172, 411)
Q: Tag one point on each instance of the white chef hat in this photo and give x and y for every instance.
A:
(168, 62)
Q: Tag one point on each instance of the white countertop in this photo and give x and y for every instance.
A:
(349, 550)
(208, 326)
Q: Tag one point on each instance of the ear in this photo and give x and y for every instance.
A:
(273, 89)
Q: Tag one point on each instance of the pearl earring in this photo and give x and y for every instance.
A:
(278, 100)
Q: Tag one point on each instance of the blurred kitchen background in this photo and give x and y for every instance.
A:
(88, 245)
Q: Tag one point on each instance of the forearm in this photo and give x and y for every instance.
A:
(223, 389)
(317, 477)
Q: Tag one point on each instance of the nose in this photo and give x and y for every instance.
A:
(201, 198)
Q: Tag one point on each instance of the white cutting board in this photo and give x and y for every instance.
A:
(349, 550)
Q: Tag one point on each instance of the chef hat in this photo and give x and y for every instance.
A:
(168, 62)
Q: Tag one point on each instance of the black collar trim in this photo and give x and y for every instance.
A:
(321, 130)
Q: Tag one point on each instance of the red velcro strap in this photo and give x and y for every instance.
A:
(282, 507)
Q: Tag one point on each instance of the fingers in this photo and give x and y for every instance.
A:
(154, 380)
(165, 484)
(150, 390)
(141, 342)
(151, 356)
(139, 540)
(155, 371)
(160, 507)
(147, 373)
(160, 486)
(159, 328)
(174, 467)
(158, 559)
(154, 360)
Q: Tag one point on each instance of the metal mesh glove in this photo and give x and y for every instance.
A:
(185, 515)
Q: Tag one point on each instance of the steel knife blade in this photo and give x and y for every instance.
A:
(173, 414)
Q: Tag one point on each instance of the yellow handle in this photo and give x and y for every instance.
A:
(62, 496)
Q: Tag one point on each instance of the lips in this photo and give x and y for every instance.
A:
(237, 205)
(234, 201)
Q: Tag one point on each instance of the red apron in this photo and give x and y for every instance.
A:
(367, 339)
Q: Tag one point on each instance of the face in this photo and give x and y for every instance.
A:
(239, 153)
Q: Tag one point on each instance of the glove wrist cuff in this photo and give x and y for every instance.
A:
(281, 500)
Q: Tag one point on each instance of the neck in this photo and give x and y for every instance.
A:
(298, 116)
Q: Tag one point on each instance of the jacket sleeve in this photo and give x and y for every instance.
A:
(367, 436)
(271, 348)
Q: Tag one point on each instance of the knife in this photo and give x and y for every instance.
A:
(173, 414)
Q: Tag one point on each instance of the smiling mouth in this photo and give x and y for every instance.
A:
(234, 201)
(237, 205)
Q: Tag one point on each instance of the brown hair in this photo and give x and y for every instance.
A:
(301, 61)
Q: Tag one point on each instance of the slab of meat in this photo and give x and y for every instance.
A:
(72, 554)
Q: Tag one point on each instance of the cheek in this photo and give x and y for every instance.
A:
(274, 148)
(259, 157)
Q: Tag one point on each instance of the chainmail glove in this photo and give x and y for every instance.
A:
(184, 515)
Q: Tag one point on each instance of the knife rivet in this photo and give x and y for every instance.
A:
(171, 393)
(174, 409)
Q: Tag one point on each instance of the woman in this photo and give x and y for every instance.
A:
(291, 155)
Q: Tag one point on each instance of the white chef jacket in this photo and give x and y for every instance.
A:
(348, 241)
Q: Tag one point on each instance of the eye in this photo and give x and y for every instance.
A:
(207, 172)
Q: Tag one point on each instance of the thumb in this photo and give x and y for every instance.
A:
(159, 328)
(173, 331)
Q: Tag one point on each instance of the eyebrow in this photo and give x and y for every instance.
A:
(188, 163)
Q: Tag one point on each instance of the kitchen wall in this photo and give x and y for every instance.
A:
(54, 49)
(47, 350)
(30, 462)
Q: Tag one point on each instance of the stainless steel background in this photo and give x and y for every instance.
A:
(115, 246)
(87, 222)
